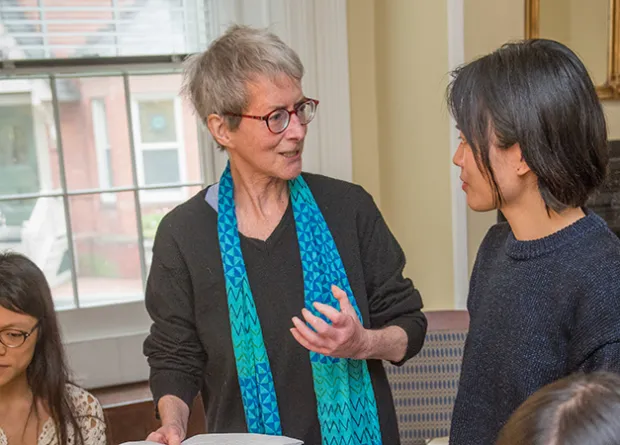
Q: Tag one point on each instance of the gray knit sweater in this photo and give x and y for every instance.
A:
(540, 310)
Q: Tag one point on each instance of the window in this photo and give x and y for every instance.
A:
(81, 189)
(158, 138)
(104, 212)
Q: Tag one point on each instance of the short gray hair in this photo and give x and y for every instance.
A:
(215, 80)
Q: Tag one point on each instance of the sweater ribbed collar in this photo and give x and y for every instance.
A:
(523, 250)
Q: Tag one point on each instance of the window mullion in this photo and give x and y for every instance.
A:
(63, 185)
(134, 173)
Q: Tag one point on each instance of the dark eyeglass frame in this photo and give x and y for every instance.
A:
(266, 117)
(24, 335)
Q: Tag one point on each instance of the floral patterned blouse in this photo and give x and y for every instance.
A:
(89, 417)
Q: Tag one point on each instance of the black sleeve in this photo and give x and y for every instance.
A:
(392, 298)
(595, 331)
(174, 352)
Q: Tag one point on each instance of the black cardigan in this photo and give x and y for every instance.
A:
(190, 349)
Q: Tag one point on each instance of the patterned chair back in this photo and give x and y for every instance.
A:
(425, 387)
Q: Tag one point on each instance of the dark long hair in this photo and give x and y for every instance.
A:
(536, 93)
(580, 409)
(24, 289)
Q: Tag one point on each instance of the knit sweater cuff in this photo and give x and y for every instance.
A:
(172, 383)
(416, 331)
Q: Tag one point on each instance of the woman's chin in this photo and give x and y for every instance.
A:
(478, 206)
(290, 171)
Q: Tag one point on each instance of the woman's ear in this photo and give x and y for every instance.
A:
(219, 129)
(521, 166)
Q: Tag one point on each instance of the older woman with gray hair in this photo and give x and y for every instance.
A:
(275, 293)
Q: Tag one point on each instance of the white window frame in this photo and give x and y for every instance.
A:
(101, 137)
(167, 195)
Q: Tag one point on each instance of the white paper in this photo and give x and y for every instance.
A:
(231, 439)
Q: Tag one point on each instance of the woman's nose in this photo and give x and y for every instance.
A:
(457, 159)
(295, 129)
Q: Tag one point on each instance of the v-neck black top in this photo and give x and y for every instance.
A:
(190, 347)
(288, 220)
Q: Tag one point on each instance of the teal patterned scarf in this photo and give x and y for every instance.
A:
(346, 405)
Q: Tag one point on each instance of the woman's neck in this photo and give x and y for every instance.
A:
(260, 202)
(15, 394)
(21, 416)
(15, 389)
(259, 195)
(530, 219)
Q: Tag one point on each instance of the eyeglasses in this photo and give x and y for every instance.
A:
(14, 338)
(277, 121)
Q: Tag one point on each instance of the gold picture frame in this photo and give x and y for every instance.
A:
(611, 88)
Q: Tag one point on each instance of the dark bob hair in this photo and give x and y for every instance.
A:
(576, 410)
(536, 93)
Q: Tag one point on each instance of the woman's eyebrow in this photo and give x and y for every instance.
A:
(18, 326)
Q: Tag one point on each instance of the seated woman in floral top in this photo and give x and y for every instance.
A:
(38, 405)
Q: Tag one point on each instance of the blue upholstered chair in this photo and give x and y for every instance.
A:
(425, 387)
